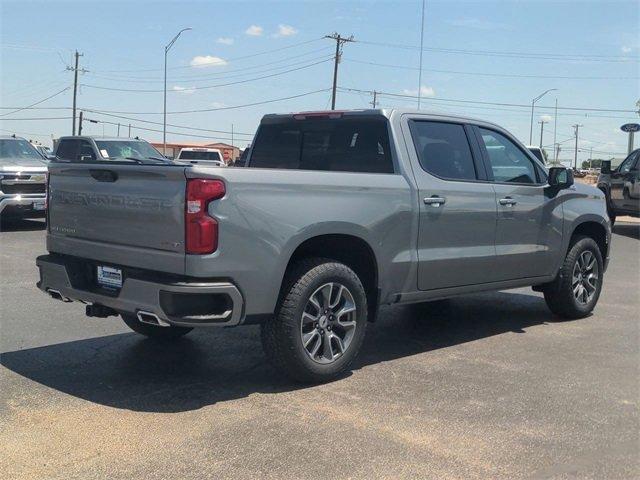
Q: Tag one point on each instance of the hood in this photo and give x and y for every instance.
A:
(22, 165)
(590, 190)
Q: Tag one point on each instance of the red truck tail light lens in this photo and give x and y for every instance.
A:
(201, 230)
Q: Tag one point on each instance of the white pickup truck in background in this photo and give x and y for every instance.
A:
(202, 156)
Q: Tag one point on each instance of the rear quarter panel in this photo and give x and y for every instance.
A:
(266, 214)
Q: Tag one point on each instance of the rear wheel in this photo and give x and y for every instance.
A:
(152, 331)
(576, 290)
(320, 322)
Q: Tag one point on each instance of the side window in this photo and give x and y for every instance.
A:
(86, 150)
(443, 149)
(627, 165)
(67, 149)
(508, 163)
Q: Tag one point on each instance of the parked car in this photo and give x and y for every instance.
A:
(335, 214)
(202, 156)
(104, 149)
(540, 153)
(621, 186)
(23, 179)
(43, 150)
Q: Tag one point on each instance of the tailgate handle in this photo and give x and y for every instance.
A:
(104, 175)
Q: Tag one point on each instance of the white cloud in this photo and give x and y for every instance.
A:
(254, 31)
(225, 41)
(285, 31)
(479, 24)
(546, 118)
(424, 91)
(184, 90)
(218, 105)
(207, 61)
(626, 49)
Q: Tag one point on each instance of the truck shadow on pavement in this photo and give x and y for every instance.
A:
(22, 225)
(631, 230)
(213, 365)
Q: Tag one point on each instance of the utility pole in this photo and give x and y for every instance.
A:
(339, 42)
(75, 88)
(232, 138)
(576, 128)
(541, 122)
(129, 130)
(375, 98)
(118, 127)
(555, 125)
(557, 152)
(80, 124)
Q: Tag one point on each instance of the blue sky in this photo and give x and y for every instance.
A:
(500, 50)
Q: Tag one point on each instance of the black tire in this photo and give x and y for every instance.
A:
(151, 331)
(282, 334)
(560, 296)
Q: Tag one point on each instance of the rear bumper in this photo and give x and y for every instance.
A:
(21, 205)
(185, 303)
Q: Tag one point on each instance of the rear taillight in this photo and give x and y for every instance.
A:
(201, 230)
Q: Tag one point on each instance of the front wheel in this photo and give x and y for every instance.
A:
(152, 331)
(320, 322)
(576, 290)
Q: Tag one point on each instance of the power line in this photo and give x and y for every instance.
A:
(222, 77)
(211, 74)
(209, 86)
(168, 124)
(513, 54)
(36, 103)
(503, 104)
(138, 127)
(507, 75)
(216, 109)
(264, 52)
(35, 118)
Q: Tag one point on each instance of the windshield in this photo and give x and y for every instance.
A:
(15, 149)
(194, 155)
(127, 149)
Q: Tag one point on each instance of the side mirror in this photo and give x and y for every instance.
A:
(605, 167)
(560, 177)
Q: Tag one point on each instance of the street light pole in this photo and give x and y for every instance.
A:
(164, 123)
(533, 102)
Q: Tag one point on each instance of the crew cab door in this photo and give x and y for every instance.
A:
(625, 188)
(456, 204)
(529, 214)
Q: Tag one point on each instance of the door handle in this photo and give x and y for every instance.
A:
(507, 201)
(434, 201)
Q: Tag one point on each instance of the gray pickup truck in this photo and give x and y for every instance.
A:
(336, 214)
(23, 173)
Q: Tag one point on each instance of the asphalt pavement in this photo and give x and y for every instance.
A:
(482, 386)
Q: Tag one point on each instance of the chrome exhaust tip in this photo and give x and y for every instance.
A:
(55, 294)
(151, 319)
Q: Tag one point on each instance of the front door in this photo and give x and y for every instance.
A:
(457, 206)
(529, 220)
(625, 188)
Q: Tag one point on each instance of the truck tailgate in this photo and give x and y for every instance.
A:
(129, 215)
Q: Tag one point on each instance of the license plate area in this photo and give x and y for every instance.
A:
(38, 204)
(109, 277)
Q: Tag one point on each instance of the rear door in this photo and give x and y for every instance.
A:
(529, 219)
(457, 206)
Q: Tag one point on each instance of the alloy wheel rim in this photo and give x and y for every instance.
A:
(584, 281)
(328, 323)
